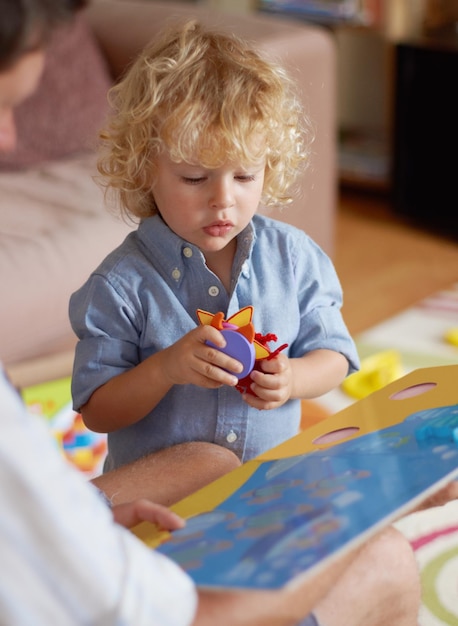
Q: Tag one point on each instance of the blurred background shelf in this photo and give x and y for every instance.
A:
(396, 70)
(396, 117)
(327, 12)
(364, 58)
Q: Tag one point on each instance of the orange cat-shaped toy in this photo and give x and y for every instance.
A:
(242, 342)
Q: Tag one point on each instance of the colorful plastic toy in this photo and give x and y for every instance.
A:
(451, 336)
(243, 343)
(239, 348)
(444, 427)
(377, 371)
(82, 447)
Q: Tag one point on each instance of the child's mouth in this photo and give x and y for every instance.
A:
(218, 229)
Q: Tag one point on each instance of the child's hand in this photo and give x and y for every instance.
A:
(272, 385)
(191, 361)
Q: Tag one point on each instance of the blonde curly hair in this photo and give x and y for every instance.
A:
(202, 96)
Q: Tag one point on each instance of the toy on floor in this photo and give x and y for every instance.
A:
(82, 447)
(451, 336)
(377, 371)
(242, 342)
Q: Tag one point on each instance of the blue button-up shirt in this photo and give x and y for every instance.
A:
(144, 297)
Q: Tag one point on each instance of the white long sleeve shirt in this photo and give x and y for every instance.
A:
(63, 561)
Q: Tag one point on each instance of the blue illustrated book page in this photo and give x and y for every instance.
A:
(292, 514)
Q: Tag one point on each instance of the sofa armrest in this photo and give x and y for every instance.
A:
(123, 28)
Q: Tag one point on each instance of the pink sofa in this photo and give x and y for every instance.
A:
(54, 227)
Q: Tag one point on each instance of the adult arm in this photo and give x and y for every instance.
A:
(286, 607)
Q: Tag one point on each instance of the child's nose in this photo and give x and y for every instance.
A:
(222, 195)
(7, 131)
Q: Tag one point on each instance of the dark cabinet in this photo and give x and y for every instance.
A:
(425, 141)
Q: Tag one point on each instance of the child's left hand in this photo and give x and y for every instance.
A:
(272, 385)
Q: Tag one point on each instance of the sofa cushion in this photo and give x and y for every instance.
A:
(54, 230)
(63, 116)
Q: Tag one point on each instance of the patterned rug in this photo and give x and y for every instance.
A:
(434, 536)
(425, 335)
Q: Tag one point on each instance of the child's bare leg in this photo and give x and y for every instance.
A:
(381, 587)
(168, 475)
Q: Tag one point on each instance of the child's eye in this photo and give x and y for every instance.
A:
(192, 181)
(245, 178)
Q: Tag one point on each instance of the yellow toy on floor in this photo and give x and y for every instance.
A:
(452, 336)
(377, 371)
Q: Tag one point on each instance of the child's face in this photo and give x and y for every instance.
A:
(207, 207)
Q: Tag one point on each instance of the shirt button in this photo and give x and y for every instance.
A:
(176, 274)
(213, 291)
(187, 252)
(246, 269)
(231, 437)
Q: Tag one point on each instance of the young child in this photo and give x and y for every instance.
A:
(204, 131)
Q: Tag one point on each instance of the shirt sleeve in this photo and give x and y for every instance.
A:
(107, 327)
(320, 301)
(64, 560)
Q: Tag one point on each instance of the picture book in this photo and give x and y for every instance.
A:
(290, 511)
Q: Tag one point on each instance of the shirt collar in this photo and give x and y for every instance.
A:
(170, 253)
(167, 251)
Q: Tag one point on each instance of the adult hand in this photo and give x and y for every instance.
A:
(129, 514)
(441, 497)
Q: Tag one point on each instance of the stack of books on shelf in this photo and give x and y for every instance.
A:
(364, 158)
(358, 12)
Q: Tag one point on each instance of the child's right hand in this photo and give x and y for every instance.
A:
(125, 399)
(191, 361)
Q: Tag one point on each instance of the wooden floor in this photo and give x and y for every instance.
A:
(386, 264)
